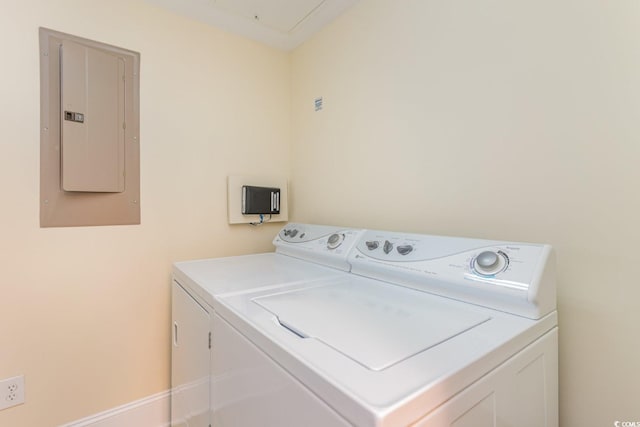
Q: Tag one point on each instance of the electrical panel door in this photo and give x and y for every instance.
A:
(92, 122)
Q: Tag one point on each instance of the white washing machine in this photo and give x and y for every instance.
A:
(424, 331)
(197, 285)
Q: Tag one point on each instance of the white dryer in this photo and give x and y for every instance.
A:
(198, 284)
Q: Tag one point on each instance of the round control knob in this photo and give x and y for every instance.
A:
(488, 263)
(335, 240)
(487, 260)
(388, 247)
(293, 233)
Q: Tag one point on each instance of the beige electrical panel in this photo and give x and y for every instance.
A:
(89, 146)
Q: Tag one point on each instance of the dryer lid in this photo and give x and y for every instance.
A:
(375, 324)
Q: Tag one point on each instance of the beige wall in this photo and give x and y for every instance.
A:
(503, 119)
(85, 311)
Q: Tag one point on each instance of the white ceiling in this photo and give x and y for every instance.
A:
(283, 24)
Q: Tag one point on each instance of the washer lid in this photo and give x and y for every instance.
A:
(376, 325)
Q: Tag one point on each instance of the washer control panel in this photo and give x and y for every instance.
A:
(482, 258)
(499, 274)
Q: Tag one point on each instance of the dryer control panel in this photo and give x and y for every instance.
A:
(512, 277)
(322, 244)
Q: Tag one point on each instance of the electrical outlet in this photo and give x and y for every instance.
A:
(11, 392)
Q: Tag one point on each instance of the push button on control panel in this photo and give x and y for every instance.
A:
(404, 249)
(372, 244)
(292, 233)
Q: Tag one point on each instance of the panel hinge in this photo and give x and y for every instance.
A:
(209, 340)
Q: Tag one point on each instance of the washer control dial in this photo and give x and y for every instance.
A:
(488, 263)
(487, 260)
(335, 240)
(388, 247)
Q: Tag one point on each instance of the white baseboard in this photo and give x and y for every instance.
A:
(151, 411)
